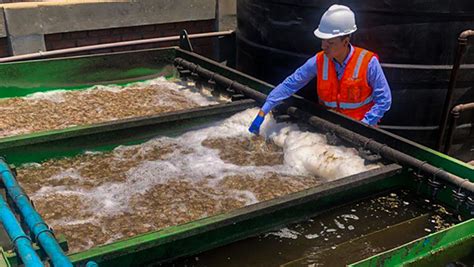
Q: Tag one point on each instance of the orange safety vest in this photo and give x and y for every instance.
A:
(352, 95)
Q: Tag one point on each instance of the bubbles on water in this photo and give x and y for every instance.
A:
(311, 236)
(349, 216)
(339, 225)
(60, 109)
(56, 96)
(170, 181)
(285, 233)
(309, 153)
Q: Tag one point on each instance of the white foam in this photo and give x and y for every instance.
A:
(72, 222)
(305, 154)
(244, 195)
(201, 97)
(311, 236)
(350, 216)
(339, 224)
(285, 233)
(69, 173)
(33, 165)
(56, 96)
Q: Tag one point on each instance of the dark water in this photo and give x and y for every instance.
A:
(336, 237)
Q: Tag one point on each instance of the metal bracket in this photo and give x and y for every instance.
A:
(184, 42)
(368, 156)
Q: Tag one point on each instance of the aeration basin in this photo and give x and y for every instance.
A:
(152, 188)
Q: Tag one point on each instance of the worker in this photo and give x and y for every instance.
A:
(350, 79)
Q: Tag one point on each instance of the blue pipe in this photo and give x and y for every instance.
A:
(22, 242)
(35, 223)
(92, 264)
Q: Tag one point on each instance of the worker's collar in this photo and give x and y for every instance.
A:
(344, 63)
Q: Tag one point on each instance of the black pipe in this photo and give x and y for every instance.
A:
(88, 48)
(462, 43)
(324, 125)
(223, 81)
(382, 149)
(455, 114)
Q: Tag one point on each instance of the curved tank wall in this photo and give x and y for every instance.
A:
(275, 37)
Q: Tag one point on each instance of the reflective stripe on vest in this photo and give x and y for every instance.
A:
(325, 68)
(355, 75)
(359, 62)
(356, 69)
(345, 105)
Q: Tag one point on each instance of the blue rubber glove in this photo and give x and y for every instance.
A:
(257, 122)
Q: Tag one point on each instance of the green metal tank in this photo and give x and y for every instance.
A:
(174, 242)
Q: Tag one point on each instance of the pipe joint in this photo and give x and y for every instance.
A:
(18, 196)
(40, 228)
(48, 232)
(15, 239)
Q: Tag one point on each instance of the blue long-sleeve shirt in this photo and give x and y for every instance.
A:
(304, 74)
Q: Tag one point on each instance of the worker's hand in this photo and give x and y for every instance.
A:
(257, 122)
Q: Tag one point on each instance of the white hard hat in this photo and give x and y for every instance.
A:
(337, 21)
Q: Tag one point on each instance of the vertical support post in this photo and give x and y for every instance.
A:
(215, 42)
(462, 43)
(184, 42)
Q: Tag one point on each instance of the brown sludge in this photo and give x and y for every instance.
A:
(26, 115)
(178, 200)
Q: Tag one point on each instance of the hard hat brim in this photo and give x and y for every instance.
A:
(325, 36)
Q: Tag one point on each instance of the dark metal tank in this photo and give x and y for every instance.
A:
(416, 42)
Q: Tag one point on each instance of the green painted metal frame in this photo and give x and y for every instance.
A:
(13, 260)
(4, 261)
(222, 229)
(421, 152)
(27, 77)
(437, 249)
(37, 147)
(22, 78)
(411, 148)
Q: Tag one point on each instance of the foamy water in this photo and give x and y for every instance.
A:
(306, 154)
(202, 96)
(60, 109)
